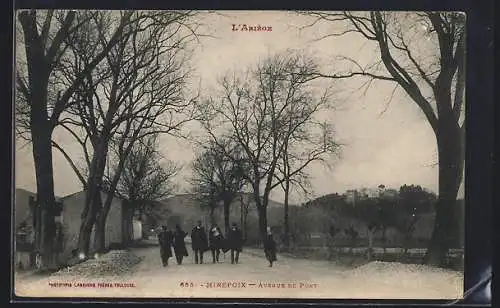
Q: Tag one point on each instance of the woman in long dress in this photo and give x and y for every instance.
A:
(179, 244)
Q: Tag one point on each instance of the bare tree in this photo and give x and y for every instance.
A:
(353, 236)
(216, 178)
(244, 210)
(44, 37)
(387, 203)
(413, 203)
(260, 112)
(318, 140)
(136, 92)
(365, 209)
(424, 54)
(144, 179)
(204, 191)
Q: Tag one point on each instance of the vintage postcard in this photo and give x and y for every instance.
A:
(239, 154)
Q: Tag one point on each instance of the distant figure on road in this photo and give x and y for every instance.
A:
(165, 238)
(179, 245)
(216, 242)
(199, 242)
(235, 242)
(270, 247)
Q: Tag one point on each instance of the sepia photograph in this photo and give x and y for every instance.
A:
(239, 154)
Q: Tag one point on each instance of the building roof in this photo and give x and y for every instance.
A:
(71, 195)
(82, 191)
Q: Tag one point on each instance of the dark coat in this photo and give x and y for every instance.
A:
(199, 239)
(235, 239)
(165, 239)
(216, 238)
(179, 245)
(270, 248)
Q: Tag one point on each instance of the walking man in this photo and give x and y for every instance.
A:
(216, 240)
(179, 244)
(235, 242)
(199, 242)
(165, 240)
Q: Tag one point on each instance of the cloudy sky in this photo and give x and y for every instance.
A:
(384, 144)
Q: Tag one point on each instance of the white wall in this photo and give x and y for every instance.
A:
(137, 230)
(71, 220)
(114, 221)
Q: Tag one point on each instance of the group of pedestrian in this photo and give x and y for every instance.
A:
(168, 239)
(215, 242)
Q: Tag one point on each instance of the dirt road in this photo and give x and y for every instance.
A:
(289, 278)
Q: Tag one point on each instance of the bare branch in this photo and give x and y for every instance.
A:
(71, 163)
(423, 74)
(263, 112)
(390, 100)
(22, 86)
(59, 37)
(46, 27)
(460, 83)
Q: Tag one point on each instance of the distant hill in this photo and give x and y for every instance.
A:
(188, 206)
(180, 209)
(184, 209)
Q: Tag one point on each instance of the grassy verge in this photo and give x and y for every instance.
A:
(359, 257)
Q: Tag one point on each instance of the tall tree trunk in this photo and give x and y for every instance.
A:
(100, 233)
(286, 231)
(127, 225)
(262, 212)
(88, 220)
(41, 135)
(87, 224)
(211, 214)
(100, 239)
(128, 222)
(406, 244)
(245, 223)
(241, 216)
(370, 244)
(42, 153)
(261, 205)
(227, 204)
(384, 239)
(263, 215)
(244, 215)
(38, 126)
(93, 202)
(408, 236)
(100, 243)
(451, 161)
